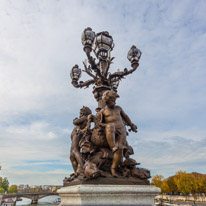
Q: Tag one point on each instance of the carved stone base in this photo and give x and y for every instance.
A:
(108, 195)
(108, 181)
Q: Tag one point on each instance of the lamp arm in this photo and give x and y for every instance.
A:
(123, 73)
(115, 80)
(82, 84)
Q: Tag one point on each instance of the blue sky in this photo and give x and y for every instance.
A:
(165, 97)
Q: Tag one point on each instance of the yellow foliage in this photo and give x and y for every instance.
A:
(157, 180)
(12, 189)
(164, 187)
(185, 183)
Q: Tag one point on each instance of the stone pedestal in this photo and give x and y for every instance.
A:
(108, 195)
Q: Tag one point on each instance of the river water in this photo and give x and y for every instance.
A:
(46, 201)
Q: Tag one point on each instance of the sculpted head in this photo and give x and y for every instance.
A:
(109, 97)
(85, 111)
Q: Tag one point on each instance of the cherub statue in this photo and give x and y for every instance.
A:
(77, 133)
(114, 119)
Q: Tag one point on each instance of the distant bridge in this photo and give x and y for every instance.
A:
(34, 196)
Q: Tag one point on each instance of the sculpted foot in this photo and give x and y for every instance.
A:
(114, 174)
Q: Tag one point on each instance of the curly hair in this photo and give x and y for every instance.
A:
(108, 95)
(85, 111)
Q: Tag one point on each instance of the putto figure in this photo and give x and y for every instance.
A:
(114, 117)
(101, 154)
(77, 133)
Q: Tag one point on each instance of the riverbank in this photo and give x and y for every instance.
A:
(176, 198)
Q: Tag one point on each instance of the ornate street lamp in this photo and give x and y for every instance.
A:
(88, 37)
(75, 73)
(102, 45)
(102, 48)
(133, 56)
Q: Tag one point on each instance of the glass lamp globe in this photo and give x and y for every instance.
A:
(87, 38)
(75, 73)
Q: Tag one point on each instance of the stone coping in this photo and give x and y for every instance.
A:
(109, 189)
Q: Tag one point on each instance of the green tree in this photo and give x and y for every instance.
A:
(157, 180)
(0, 181)
(1, 190)
(4, 183)
(12, 189)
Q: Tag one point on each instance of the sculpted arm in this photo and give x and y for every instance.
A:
(126, 118)
(78, 121)
(97, 119)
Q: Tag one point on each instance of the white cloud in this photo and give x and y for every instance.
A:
(40, 42)
(38, 141)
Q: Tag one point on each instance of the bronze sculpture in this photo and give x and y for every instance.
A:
(75, 155)
(101, 155)
(114, 118)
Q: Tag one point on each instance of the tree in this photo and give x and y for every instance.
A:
(184, 182)
(201, 185)
(157, 180)
(0, 181)
(164, 187)
(171, 184)
(12, 189)
(4, 183)
(1, 190)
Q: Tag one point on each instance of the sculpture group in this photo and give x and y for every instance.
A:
(101, 154)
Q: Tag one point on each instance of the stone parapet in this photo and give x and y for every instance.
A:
(108, 195)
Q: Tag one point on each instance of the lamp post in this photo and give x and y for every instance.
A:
(101, 44)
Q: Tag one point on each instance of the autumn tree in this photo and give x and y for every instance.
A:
(184, 182)
(171, 184)
(164, 187)
(199, 184)
(157, 180)
(202, 184)
(12, 189)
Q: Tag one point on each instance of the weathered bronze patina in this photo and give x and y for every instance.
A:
(101, 155)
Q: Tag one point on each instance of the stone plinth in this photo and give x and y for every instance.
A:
(108, 195)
